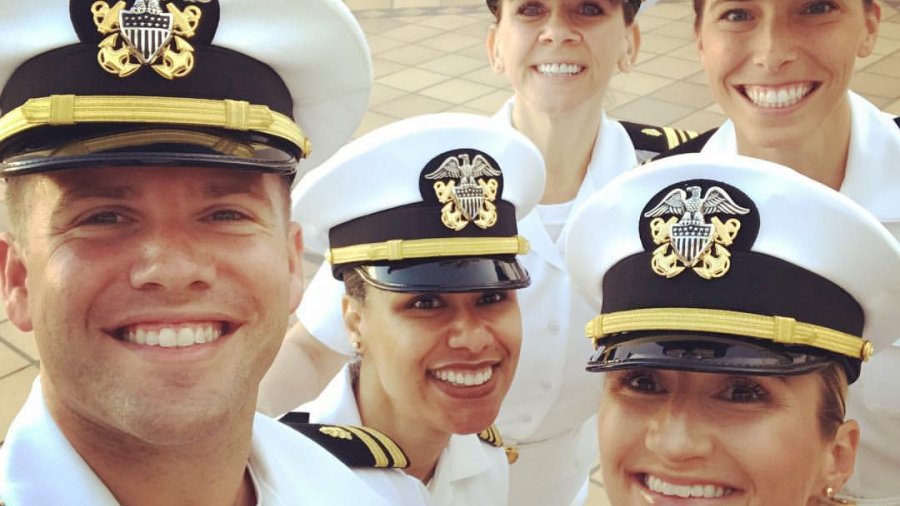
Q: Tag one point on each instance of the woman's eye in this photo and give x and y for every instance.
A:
(590, 9)
(736, 15)
(820, 8)
(426, 302)
(491, 298)
(745, 391)
(531, 9)
(642, 382)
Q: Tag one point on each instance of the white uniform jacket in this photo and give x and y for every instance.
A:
(469, 471)
(872, 179)
(38, 467)
(548, 412)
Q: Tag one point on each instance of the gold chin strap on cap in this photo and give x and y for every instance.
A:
(398, 249)
(238, 115)
(778, 329)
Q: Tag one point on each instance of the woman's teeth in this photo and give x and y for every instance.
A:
(170, 337)
(705, 491)
(556, 69)
(464, 378)
(773, 98)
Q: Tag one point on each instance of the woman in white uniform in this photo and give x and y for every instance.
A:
(559, 56)
(735, 305)
(420, 222)
(781, 70)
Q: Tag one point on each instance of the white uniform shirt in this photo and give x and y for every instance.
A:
(872, 179)
(469, 471)
(549, 410)
(39, 467)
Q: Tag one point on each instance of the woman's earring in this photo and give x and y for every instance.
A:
(831, 499)
(829, 492)
(357, 346)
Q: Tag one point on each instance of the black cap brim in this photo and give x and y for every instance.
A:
(447, 275)
(711, 353)
(81, 146)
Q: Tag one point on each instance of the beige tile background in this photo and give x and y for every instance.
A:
(429, 56)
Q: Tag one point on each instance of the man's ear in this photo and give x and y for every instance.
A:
(873, 22)
(492, 45)
(842, 455)
(632, 47)
(295, 264)
(13, 277)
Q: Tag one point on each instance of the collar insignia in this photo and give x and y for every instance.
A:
(467, 190)
(686, 239)
(146, 36)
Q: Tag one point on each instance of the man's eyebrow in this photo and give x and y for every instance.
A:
(95, 191)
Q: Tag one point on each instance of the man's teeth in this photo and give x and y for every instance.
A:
(559, 68)
(773, 98)
(170, 337)
(464, 378)
(705, 491)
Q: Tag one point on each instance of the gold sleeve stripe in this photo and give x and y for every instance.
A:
(778, 329)
(381, 459)
(228, 114)
(399, 249)
(397, 455)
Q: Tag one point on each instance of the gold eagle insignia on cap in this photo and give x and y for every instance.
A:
(472, 200)
(686, 239)
(145, 35)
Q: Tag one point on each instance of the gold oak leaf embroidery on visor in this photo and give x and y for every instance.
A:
(686, 239)
(145, 35)
(472, 200)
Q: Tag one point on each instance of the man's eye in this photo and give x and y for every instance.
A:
(104, 218)
(227, 215)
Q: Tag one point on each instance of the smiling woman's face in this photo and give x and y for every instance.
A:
(718, 439)
(780, 69)
(441, 361)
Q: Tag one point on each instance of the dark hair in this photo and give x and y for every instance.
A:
(833, 402)
(355, 285)
(698, 11)
(629, 9)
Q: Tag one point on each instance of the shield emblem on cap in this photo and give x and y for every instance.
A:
(691, 240)
(146, 31)
(469, 197)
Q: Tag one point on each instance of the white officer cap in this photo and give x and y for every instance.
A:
(198, 82)
(735, 265)
(428, 203)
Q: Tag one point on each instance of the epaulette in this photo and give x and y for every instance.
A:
(694, 145)
(353, 445)
(491, 436)
(649, 140)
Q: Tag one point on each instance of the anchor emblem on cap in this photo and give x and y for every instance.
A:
(693, 242)
(146, 36)
(473, 199)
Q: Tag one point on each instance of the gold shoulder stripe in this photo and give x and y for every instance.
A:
(491, 435)
(381, 446)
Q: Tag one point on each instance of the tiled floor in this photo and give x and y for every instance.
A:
(429, 56)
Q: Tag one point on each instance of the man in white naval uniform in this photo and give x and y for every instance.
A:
(148, 156)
